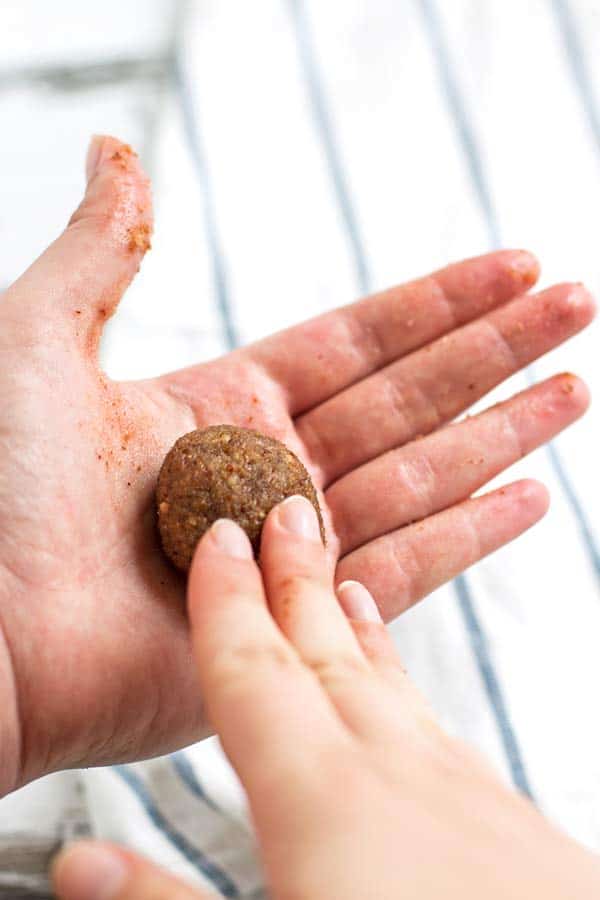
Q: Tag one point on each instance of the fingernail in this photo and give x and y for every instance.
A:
(525, 266)
(89, 872)
(580, 296)
(230, 539)
(297, 515)
(357, 602)
(93, 156)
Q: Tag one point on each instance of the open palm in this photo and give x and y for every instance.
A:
(95, 662)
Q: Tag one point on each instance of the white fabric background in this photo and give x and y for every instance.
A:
(280, 99)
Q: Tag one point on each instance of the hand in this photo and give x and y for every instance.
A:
(95, 661)
(354, 790)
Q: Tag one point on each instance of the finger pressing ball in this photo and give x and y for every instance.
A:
(224, 472)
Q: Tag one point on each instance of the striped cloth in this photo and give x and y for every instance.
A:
(304, 153)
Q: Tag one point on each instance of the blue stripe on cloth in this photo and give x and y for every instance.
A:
(465, 601)
(350, 219)
(576, 57)
(458, 110)
(196, 148)
(583, 523)
(482, 653)
(213, 873)
(325, 128)
(185, 770)
(473, 155)
(583, 81)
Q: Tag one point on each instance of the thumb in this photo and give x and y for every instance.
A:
(92, 870)
(76, 284)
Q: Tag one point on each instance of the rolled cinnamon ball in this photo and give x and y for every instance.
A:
(224, 472)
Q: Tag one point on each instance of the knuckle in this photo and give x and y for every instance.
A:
(510, 434)
(233, 664)
(420, 481)
(471, 538)
(450, 758)
(504, 345)
(292, 585)
(411, 576)
(118, 214)
(343, 667)
(435, 292)
(322, 448)
(395, 395)
(100, 212)
(364, 337)
(414, 406)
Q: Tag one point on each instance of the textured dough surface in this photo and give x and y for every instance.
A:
(224, 472)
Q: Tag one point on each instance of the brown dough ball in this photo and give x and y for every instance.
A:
(224, 472)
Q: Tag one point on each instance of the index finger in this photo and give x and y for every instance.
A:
(266, 707)
(317, 359)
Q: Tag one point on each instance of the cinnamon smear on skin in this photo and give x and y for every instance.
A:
(123, 155)
(139, 238)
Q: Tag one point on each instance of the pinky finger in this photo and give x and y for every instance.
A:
(379, 649)
(402, 567)
(365, 619)
(98, 871)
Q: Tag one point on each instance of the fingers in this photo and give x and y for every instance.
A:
(97, 871)
(299, 584)
(415, 395)
(413, 482)
(375, 642)
(267, 709)
(406, 565)
(75, 286)
(300, 591)
(315, 360)
(370, 632)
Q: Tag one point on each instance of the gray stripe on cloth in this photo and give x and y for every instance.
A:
(327, 136)
(76, 77)
(456, 104)
(584, 83)
(24, 862)
(186, 772)
(488, 673)
(192, 854)
(196, 147)
(25, 857)
(576, 57)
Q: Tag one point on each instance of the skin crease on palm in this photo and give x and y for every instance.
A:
(95, 657)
